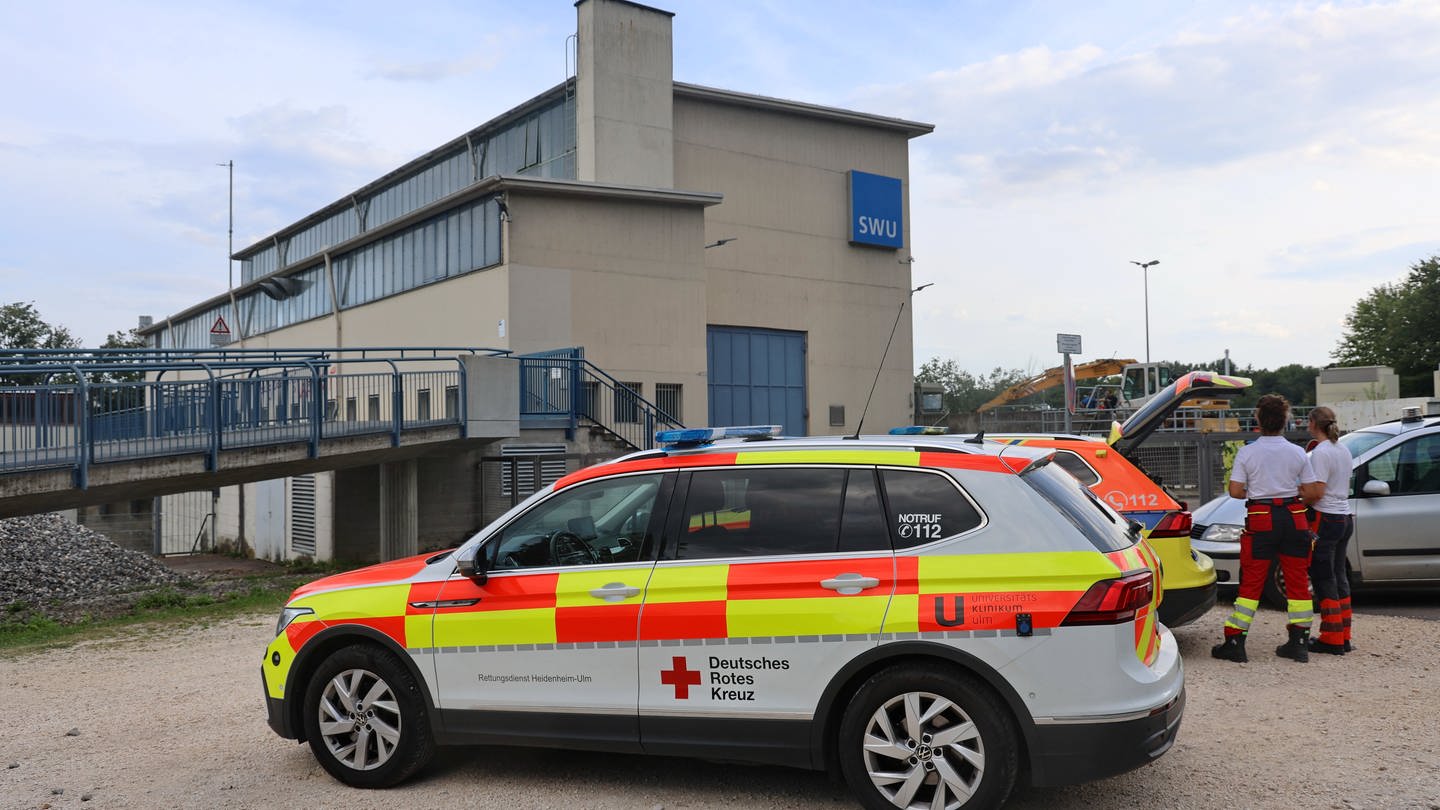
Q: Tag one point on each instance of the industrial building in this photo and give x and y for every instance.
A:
(730, 258)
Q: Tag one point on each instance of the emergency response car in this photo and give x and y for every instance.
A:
(930, 617)
(1109, 468)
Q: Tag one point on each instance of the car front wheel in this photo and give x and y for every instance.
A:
(927, 737)
(365, 718)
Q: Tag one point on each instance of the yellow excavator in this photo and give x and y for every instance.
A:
(1052, 377)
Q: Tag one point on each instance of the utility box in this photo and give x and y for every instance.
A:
(492, 397)
(929, 403)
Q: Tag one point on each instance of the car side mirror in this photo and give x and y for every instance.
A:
(474, 565)
(1375, 487)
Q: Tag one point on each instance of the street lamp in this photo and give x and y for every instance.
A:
(1145, 266)
(230, 246)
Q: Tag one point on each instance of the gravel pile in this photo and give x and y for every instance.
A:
(46, 559)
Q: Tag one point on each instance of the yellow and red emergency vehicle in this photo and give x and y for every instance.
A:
(1112, 471)
(933, 618)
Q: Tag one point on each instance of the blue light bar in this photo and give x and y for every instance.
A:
(697, 436)
(919, 430)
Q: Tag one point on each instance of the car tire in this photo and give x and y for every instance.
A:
(911, 733)
(366, 718)
(1273, 596)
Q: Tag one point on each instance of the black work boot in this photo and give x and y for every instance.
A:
(1318, 646)
(1297, 648)
(1231, 649)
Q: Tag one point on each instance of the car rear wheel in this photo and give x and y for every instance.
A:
(1274, 593)
(365, 718)
(927, 737)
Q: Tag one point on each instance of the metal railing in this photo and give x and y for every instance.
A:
(104, 405)
(1097, 421)
(209, 401)
(564, 388)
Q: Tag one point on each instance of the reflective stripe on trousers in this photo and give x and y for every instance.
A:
(1243, 615)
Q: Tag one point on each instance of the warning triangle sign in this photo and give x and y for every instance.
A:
(220, 328)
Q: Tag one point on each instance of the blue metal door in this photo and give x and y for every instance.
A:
(757, 377)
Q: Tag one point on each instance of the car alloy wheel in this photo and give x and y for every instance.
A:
(366, 717)
(922, 749)
(928, 736)
(360, 719)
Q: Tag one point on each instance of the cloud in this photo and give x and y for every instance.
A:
(1258, 83)
(435, 70)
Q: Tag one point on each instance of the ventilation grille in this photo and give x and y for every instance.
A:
(302, 514)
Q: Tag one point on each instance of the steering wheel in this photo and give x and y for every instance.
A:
(566, 546)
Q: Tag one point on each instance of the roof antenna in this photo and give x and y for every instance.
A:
(883, 355)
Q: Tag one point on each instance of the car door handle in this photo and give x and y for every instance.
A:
(849, 584)
(614, 592)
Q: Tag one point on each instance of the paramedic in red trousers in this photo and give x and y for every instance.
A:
(1277, 482)
(1334, 526)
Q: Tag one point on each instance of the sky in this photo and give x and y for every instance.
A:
(1279, 160)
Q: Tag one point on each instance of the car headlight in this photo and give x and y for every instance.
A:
(1223, 533)
(289, 614)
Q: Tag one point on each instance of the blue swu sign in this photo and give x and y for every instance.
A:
(876, 210)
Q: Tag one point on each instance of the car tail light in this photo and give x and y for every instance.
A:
(1113, 601)
(1173, 524)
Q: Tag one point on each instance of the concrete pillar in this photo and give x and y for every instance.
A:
(399, 510)
(624, 94)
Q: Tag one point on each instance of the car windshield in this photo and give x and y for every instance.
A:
(1361, 440)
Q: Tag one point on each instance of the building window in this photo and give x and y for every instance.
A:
(350, 411)
(452, 401)
(667, 398)
(627, 402)
(373, 406)
(837, 416)
(422, 405)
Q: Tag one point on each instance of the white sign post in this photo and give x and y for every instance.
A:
(1068, 345)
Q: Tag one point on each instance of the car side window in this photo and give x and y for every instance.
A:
(596, 522)
(1412, 468)
(925, 507)
(1072, 463)
(779, 511)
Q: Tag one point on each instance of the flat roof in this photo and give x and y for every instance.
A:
(837, 114)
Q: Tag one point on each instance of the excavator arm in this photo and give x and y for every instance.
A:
(1052, 377)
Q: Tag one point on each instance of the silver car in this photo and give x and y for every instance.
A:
(1394, 493)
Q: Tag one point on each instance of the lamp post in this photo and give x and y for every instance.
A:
(230, 246)
(1145, 268)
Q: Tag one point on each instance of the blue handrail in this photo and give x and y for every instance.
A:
(563, 387)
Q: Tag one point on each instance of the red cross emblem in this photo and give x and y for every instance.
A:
(681, 677)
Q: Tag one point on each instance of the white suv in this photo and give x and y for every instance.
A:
(933, 618)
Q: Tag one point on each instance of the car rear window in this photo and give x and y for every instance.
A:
(925, 507)
(1100, 524)
(1072, 463)
(750, 512)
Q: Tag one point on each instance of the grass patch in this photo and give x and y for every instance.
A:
(27, 625)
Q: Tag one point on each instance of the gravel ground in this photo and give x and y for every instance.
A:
(46, 560)
(145, 721)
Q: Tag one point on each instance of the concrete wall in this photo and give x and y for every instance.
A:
(461, 311)
(783, 177)
(624, 70)
(623, 279)
(130, 524)
(357, 514)
(1357, 383)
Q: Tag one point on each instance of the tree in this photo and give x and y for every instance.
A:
(964, 392)
(21, 327)
(1398, 325)
(128, 339)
